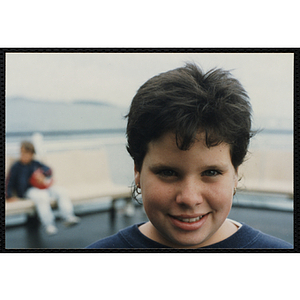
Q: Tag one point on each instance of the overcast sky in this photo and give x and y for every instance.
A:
(115, 78)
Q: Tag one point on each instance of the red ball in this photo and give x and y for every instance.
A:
(35, 180)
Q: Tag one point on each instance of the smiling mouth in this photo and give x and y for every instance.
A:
(190, 220)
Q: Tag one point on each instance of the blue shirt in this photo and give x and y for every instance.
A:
(245, 238)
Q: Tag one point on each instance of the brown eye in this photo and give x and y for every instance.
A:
(167, 173)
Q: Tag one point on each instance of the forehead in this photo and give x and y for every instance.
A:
(165, 148)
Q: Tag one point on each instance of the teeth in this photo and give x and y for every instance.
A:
(191, 220)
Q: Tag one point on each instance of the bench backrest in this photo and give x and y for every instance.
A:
(268, 166)
(76, 166)
(71, 167)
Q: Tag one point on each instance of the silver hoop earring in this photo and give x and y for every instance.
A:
(138, 189)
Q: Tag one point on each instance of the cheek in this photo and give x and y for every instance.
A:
(152, 193)
(155, 194)
(221, 197)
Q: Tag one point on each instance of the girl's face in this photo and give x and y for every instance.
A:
(26, 156)
(187, 195)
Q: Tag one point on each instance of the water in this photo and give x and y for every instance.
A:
(273, 140)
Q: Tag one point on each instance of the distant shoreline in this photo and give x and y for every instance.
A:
(66, 132)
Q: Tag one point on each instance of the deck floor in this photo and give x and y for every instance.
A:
(97, 225)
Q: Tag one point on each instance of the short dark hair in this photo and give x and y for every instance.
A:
(187, 101)
(28, 147)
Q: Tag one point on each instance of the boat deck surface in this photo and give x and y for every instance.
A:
(97, 225)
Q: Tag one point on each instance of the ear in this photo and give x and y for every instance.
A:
(137, 175)
(236, 177)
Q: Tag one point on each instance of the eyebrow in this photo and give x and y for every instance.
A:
(159, 166)
(220, 166)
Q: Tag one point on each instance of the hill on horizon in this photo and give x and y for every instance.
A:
(23, 115)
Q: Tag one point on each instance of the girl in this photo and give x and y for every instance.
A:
(188, 132)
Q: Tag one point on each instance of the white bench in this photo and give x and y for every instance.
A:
(83, 173)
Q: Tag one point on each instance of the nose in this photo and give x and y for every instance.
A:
(190, 193)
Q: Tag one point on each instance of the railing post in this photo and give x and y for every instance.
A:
(38, 142)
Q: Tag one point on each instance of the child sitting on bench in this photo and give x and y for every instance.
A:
(29, 178)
